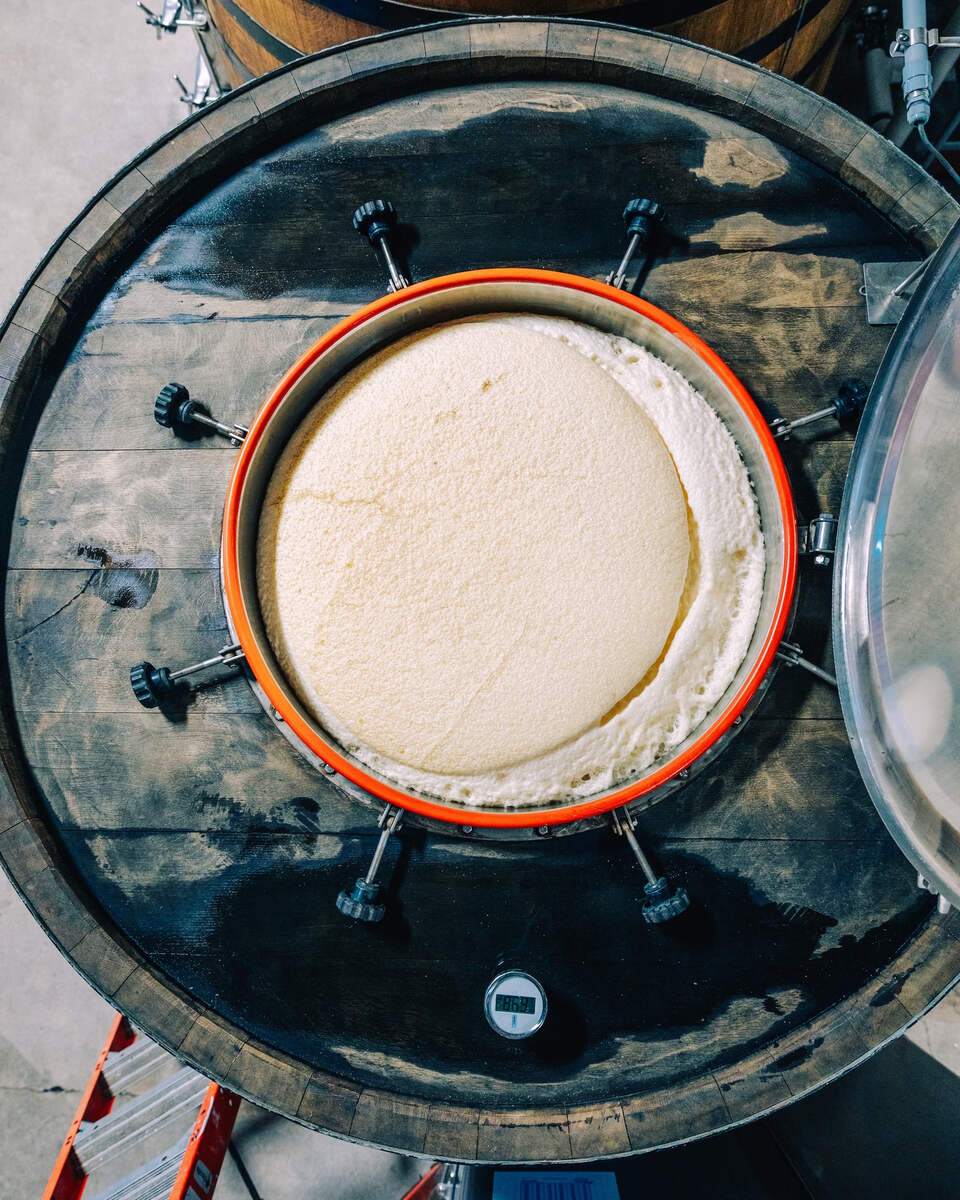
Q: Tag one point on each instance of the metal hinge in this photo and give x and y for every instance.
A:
(819, 539)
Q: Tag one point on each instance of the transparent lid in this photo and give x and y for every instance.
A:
(897, 581)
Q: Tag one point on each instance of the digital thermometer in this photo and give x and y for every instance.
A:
(515, 1004)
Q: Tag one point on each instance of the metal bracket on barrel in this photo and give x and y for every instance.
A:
(169, 19)
(189, 14)
(818, 539)
(887, 289)
(362, 902)
(661, 901)
(943, 904)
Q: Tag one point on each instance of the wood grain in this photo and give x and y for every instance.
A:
(776, 33)
(167, 852)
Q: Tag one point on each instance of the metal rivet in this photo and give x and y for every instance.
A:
(466, 829)
(544, 830)
(684, 774)
(327, 769)
(277, 715)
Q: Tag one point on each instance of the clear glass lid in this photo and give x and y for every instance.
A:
(897, 578)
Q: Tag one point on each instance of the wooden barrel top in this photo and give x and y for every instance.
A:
(188, 867)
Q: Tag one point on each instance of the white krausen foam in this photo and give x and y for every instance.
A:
(716, 617)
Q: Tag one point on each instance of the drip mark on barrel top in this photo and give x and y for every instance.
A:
(123, 580)
(796, 1058)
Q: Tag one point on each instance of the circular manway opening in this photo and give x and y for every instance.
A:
(509, 547)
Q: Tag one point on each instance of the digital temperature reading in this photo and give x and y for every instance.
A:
(516, 1004)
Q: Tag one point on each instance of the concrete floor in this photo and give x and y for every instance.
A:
(83, 89)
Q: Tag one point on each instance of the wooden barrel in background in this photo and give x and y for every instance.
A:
(797, 38)
(188, 863)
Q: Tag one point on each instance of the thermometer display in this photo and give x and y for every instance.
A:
(515, 1005)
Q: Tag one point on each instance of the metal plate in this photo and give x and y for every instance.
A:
(884, 306)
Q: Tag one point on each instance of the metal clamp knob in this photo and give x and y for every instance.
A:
(642, 216)
(376, 220)
(661, 902)
(846, 406)
(152, 685)
(362, 902)
(173, 409)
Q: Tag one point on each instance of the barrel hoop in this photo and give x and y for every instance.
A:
(784, 33)
(222, 46)
(641, 11)
(280, 50)
(395, 15)
(816, 60)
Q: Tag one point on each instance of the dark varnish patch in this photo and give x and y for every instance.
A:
(796, 1058)
(123, 581)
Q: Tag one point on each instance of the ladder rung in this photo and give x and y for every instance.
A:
(150, 1182)
(176, 1099)
(124, 1069)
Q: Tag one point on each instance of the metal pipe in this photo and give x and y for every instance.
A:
(943, 63)
(917, 78)
(229, 431)
(397, 278)
(229, 654)
(784, 430)
(623, 822)
(389, 827)
(617, 277)
(914, 274)
(793, 658)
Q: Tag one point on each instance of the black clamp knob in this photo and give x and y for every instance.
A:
(151, 685)
(375, 219)
(662, 903)
(641, 216)
(173, 408)
(851, 399)
(362, 902)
